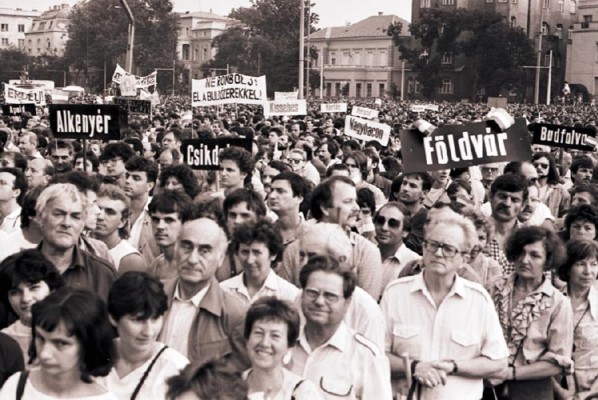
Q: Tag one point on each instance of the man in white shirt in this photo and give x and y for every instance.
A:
(13, 187)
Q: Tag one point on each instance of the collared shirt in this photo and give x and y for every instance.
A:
(274, 285)
(392, 266)
(137, 226)
(13, 242)
(585, 338)
(11, 222)
(347, 366)
(290, 236)
(180, 318)
(463, 327)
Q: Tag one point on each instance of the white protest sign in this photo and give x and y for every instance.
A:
(333, 107)
(432, 107)
(127, 86)
(367, 130)
(286, 95)
(364, 112)
(378, 102)
(228, 89)
(285, 107)
(417, 108)
(140, 81)
(15, 95)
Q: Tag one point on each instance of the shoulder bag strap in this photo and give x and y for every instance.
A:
(146, 373)
(21, 384)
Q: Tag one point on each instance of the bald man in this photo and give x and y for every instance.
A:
(203, 321)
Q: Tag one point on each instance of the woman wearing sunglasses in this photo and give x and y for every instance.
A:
(389, 223)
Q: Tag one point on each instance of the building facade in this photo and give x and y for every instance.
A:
(49, 32)
(547, 23)
(359, 60)
(194, 45)
(582, 55)
(13, 25)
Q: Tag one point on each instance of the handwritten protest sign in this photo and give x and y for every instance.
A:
(286, 95)
(15, 95)
(18, 109)
(455, 146)
(203, 153)
(85, 121)
(133, 105)
(364, 129)
(363, 112)
(140, 81)
(333, 107)
(563, 136)
(285, 107)
(228, 89)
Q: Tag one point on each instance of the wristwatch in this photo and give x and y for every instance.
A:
(455, 367)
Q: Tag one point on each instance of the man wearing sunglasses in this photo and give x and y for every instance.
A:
(389, 223)
(447, 325)
(552, 193)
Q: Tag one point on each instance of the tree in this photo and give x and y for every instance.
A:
(14, 61)
(495, 51)
(98, 35)
(267, 43)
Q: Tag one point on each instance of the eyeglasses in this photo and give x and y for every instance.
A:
(313, 294)
(541, 165)
(392, 222)
(489, 169)
(295, 161)
(448, 251)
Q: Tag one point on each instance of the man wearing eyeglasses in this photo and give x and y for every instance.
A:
(446, 325)
(339, 361)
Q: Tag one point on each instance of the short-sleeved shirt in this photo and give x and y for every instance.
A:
(463, 327)
(273, 286)
(585, 339)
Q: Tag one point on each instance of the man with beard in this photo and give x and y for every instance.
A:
(551, 192)
(508, 195)
(335, 201)
(582, 170)
(412, 188)
(327, 153)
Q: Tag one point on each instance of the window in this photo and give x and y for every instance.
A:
(425, 3)
(570, 32)
(358, 90)
(368, 90)
(4, 27)
(561, 6)
(381, 90)
(514, 1)
(447, 87)
(383, 59)
(596, 57)
(370, 61)
(347, 58)
(418, 87)
(572, 7)
(545, 28)
(333, 58)
(186, 51)
(513, 22)
(4, 41)
(204, 55)
(357, 58)
(546, 3)
(48, 44)
(547, 59)
(337, 89)
(559, 31)
(586, 21)
(21, 42)
(195, 54)
(447, 58)
(448, 2)
(328, 89)
(42, 26)
(21, 28)
(29, 43)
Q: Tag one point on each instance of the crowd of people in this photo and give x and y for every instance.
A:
(312, 267)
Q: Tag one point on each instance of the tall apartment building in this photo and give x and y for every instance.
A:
(582, 55)
(13, 25)
(547, 23)
(359, 59)
(49, 32)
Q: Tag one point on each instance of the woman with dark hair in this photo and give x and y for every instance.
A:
(271, 329)
(580, 272)
(136, 304)
(72, 344)
(25, 279)
(535, 316)
(257, 246)
(179, 177)
(581, 222)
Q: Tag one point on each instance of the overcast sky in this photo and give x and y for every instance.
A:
(352, 10)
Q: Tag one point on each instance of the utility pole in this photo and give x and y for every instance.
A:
(131, 36)
(539, 56)
(301, 46)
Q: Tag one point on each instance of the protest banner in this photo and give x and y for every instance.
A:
(363, 112)
(378, 102)
(203, 153)
(418, 108)
(228, 89)
(133, 105)
(457, 146)
(333, 107)
(567, 137)
(85, 121)
(285, 107)
(367, 130)
(15, 95)
(286, 95)
(140, 81)
(127, 86)
(18, 109)
(497, 102)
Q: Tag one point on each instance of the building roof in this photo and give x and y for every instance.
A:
(204, 15)
(374, 26)
(60, 11)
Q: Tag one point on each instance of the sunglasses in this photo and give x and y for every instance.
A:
(392, 222)
(541, 165)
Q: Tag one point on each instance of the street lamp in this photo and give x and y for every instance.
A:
(301, 46)
(131, 37)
